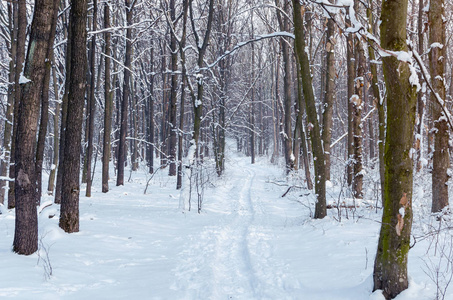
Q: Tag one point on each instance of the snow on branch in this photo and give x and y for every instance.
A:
(255, 39)
(426, 76)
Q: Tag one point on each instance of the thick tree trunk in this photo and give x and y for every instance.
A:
(44, 109)
(32, 80)
(108, 104)
(69, 212)
(318, 152)
(390, 267)
(437, 54)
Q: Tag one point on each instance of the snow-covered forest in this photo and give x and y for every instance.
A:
(225, 149)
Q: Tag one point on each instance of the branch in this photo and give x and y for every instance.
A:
(242, 44)
(426, 76)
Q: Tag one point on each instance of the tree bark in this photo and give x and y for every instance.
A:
(420, 95)
(122, 150)
(288, 138)
(44, 109)
(351, 78)
(301, 132)
(64, 116)
(108, 106)
(357, 106)
(318, 152)
(379, 102)
(390, 267)
(182, 45)
(437, 54)
(20, 59)
(173, 95)
(69, 212)
(56, 141)
(197, 100)
(92, 103)
(26, 229)
(329, 93)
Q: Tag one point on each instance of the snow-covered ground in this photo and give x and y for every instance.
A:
(249, 242)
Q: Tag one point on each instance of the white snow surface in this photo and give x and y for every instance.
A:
(247, 243)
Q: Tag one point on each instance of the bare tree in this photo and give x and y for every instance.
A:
(390, 267)
(441, 157)
(318, 152)
(69, 212)
(32, 80)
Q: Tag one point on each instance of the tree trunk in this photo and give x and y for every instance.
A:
(20, 59)
(69, 212)
(378, 100)
(164, 106)
(43, 126)
(351, 78)
(420, 95)
(32, 80)
(197, 101)
(182, 45)
(437, 54)
(329, 93)
(6, 150)
(64, 116)
(134, 128)
(92, 108)
(122, 150)
(318, 152)
(287, 138)
(108, 106)
(390, 267)
(357, 106)
(301, 132)
(252, 104)
(275, 119)
(56, 141)
(173, 96)
(44, 110)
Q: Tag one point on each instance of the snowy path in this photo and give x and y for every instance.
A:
(225, 257)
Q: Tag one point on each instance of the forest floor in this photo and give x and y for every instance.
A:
(248, 242)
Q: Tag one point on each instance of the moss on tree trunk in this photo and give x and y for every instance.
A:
(390, 268)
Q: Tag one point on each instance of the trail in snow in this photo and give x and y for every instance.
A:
(231, 258)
